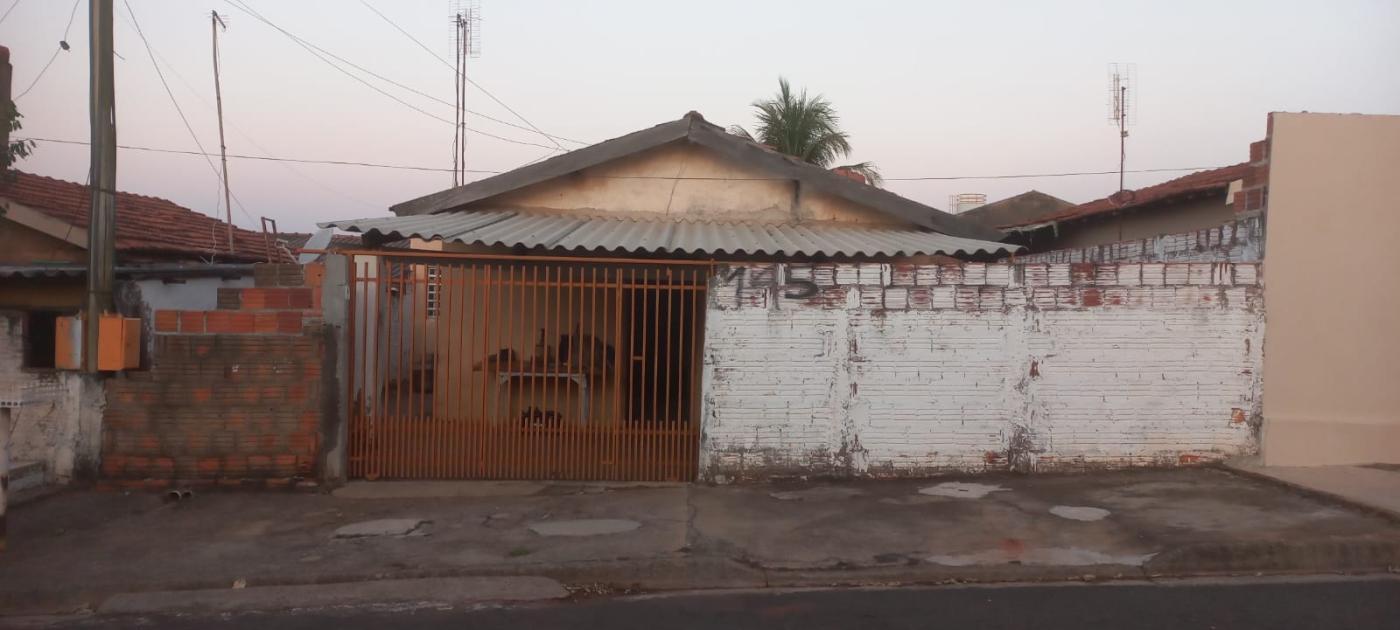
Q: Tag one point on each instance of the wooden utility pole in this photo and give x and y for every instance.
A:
(215, 23)
(102, 226)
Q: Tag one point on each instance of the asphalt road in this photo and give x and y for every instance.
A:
(1353, 604)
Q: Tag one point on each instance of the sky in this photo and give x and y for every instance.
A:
(925, 89)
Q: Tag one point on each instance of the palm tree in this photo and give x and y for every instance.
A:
(805, 127)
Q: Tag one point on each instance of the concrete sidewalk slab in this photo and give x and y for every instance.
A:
(435, 591)
(80, 548)
(1376, 488)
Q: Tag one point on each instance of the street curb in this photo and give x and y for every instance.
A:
(708, 572)
(435, 591)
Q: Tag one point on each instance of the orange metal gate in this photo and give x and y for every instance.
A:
(519, 367)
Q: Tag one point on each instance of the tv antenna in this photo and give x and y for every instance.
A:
(466, 32)
(1122, 81)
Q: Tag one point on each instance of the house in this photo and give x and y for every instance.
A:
(1197, 211)
(167, 256)
(1027, 206)
(680, 303)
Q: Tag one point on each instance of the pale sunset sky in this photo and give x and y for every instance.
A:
(925, 89)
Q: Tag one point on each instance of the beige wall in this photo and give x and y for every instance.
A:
(1330, 394)
(20, 245)
(730, 191)
(1197, 214)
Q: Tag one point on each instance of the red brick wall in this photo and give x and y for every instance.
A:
(233, 396)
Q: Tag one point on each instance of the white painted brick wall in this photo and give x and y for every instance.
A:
(1241, 240)
(975, 366)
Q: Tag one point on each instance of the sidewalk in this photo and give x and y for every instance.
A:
(76, 550)
(1375, 486)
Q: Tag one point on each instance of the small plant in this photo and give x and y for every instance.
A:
(518, 552)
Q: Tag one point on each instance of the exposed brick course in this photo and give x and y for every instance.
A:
(233, 396)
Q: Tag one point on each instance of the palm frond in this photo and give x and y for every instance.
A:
(868, 169)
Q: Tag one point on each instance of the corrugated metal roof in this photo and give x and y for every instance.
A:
(512, 228)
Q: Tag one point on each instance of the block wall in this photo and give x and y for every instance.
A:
(887, 370)
(233, 395)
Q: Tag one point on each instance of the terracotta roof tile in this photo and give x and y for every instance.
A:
(147, 227)
(1195, 183)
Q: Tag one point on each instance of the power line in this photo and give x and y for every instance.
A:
(464, 76)
(643, 177)
(151, 53)
(317, 52)
(62, 46)
(246, 136)
(7, 11)
(268, 158)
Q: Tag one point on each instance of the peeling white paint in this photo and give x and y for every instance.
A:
(1080, 513)
(1044, 556)
(941, 367)
(961, 490)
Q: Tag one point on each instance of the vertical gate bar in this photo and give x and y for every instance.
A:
(697, 366)
(417, 460)
(506, 339)
(640, 396)
(619, 360)
(532, 434)
(395, 430)
(357, 400)
(566, 384)
(454, 408)
(425, 419)
(598, 358)
(560, 384)
(409, 428)
(671, 342)
(370, 334)
(381, 375)
(448, 321)
(442, 368)
(484, 435)
(367, 401)
(665, 374)
(485, 326)
(523, 431)
(564, 466)
(472, 465)
(676, 302)
(658, 423)
(576, 436)
(469, 466)
(488, 456)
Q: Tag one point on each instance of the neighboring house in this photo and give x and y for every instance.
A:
(680, 303)
(294, 242)
(1131, 225)
(1031, 205)
(167, 256)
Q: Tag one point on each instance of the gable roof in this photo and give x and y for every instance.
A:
(1028, 205)
(147, 227)
(695, 129)
(1195, 184)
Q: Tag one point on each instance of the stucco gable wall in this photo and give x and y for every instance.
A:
(721, 190)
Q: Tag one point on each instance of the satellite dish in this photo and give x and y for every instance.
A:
(319, 240)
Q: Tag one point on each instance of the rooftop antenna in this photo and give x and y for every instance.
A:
(466, 32)
(1122, 80)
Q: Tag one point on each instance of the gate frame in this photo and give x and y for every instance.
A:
(339, 304)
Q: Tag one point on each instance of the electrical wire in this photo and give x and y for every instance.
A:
(62, 46)
(246, 136)
(318, 52)
(9, 10)
(466, 78)
(151, 53)
(658, 177)
(268, 158)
